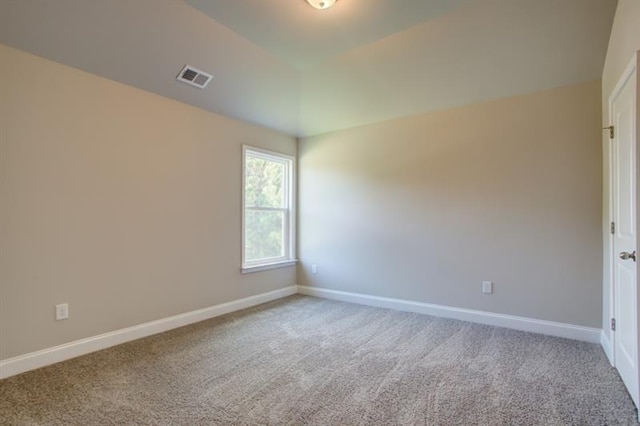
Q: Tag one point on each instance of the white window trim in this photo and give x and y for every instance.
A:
(266, 267)
(290, 219)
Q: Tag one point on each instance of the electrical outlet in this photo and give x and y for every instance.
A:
(487, 287)
(62, 311)
(314, 268)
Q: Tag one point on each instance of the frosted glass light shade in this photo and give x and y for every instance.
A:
(321, 4)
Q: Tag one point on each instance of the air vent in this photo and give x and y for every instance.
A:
(194, 77)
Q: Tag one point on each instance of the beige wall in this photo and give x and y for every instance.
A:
(122, 203)
(623, 43)
(425, 208)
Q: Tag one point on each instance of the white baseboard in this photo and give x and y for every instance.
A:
(12, 366)
(569, 331)
(20, 364)
(606, 346)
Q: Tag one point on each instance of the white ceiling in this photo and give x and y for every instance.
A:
(287, 66)
(303, 36)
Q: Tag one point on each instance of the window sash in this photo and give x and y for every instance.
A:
(286, 163)
(286, 236)
(268, 209)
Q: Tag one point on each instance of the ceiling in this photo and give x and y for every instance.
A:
(303, 36)
(285, 65)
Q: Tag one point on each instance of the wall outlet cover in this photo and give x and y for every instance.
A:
(62, 311)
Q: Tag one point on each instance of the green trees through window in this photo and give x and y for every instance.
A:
(267, 207)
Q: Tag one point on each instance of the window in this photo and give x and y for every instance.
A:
(268, 215)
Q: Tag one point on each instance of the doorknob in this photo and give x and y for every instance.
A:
(625, 255)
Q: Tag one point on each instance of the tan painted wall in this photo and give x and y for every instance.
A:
(623, 43)
(122, 203)
(425, 208)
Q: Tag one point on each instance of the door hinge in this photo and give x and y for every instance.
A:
(613, 324)
(611, 131)
(613, 228)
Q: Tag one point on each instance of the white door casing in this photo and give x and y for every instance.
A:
(624, 306)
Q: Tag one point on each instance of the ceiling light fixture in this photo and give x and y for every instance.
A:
(321, 4)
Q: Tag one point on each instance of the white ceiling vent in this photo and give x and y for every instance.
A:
(194, 77)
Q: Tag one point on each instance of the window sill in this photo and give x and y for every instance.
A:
(258, 268)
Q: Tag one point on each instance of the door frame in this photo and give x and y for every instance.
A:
(633, 66)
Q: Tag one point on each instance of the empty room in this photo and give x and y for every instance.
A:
(319, 212)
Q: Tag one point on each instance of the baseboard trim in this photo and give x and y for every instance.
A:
(569, 331)
(606, 346)
(31, 361)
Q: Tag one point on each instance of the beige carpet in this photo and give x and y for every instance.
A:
(303, 360)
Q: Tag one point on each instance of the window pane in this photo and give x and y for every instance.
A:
(263, 234)
(264, 183)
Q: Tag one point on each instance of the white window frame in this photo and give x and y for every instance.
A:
(289, 210)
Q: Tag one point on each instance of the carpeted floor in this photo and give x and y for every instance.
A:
(303, 360)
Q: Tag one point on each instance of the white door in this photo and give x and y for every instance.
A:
(625, 294)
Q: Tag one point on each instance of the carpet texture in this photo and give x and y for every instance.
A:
(303, 360)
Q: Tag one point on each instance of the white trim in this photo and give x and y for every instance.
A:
(631, 67)
(290, 211)
(569, 331)
(20, 364)
(258, 268)
(609, 338)
(606, 346)
(611, 254)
